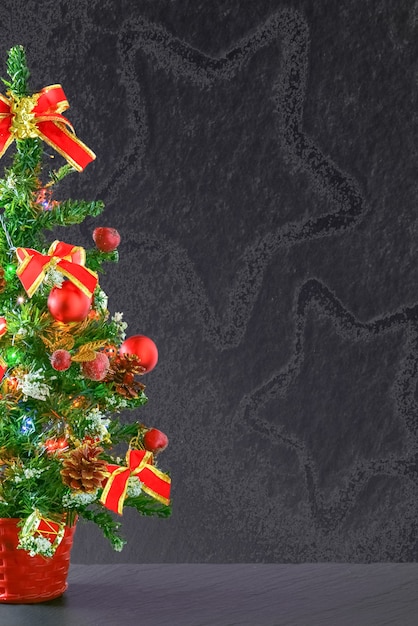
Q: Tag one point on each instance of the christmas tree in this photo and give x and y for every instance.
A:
(66, 367)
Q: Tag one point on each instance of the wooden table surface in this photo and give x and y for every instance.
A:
(229, 595)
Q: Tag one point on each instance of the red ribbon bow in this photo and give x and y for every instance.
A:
(139, 463)
(3, 368)
(40, 116)
(67, 259)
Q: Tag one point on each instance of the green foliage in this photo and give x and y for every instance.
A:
(124, 432)
(32, 484)
(109, 527)
(42, 408)
(96, 258)
(58, 175)
(18, 71)
(69, 212)
(146, 505)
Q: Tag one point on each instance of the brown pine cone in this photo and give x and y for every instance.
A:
(2, 280)
(122, 373)
(82, 470)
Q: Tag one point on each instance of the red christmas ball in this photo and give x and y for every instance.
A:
(97, 369)
(61, 360)
(68, 303)
(142, 347)
(106, 239)
(155, 440)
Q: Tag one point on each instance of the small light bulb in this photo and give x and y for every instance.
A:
(28, 426)
(13, 356)
(20, 300)
(10, 270)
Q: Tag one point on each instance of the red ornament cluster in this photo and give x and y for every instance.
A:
(67, 304)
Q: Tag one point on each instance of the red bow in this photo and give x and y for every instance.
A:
(67, 259)
(3, 368)
(139, 463)
(40, 116)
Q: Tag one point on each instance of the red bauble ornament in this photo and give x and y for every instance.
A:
(97, 369)
(3, 326)
(142, 347)
(155, 441)
(68, 303)
(106, 239)
(61, 360)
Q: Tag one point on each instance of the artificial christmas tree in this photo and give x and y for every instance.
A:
(66, 367)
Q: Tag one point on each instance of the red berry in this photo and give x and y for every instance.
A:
(106, 239)
(60, 360)
(97, 369)
(155, 440)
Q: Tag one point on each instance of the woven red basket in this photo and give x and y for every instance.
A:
(26, 579)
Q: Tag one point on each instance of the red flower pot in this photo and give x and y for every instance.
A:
(26, 579)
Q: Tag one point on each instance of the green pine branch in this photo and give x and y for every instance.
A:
(146, 505)
(68, 212)
(95, 258)
(56, 175)
(104, 520)
(17, 69)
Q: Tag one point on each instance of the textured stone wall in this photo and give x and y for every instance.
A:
(260, 161)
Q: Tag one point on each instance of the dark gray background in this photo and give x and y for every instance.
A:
(259, 159)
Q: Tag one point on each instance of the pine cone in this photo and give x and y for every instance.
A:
(2, 280)
(82, 470)
(122, 372)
